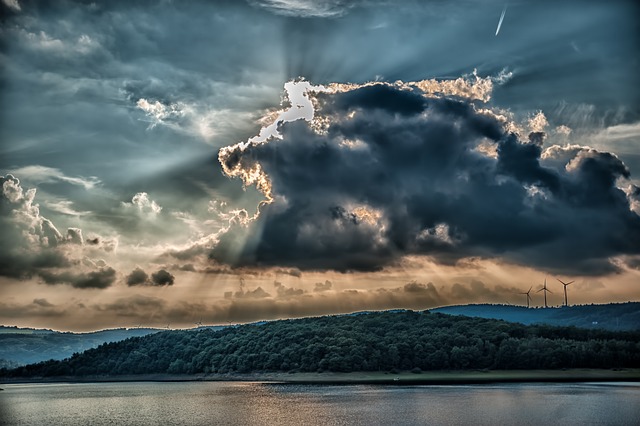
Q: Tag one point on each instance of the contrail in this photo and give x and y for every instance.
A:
(501, 18)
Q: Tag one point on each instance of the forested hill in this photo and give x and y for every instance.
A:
(612, 316)
(376, 341)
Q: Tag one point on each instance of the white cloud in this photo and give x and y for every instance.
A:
(43, 41)
(301, 108)
(159, 112)
(35, 229)
(538, 122)
(65, 207)
(469, 86)
(439, 233)
(47, 43)
(12, 4)
(86, 44)
(144, 204)
(620, 131)
(622, 139)
(503, 76)
(306, 8)
(41, 174)
(192, 118)
(563, 130)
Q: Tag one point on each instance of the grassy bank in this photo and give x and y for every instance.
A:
(403, 378)
(467, 377)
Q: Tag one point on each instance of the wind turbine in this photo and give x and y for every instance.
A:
(545, 289)
(528, 295)
(565, 290)
(199, 323)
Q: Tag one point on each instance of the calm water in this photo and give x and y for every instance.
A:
(227, 403)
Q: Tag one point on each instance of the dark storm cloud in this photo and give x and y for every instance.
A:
(634, 263)
(38, 308)
(133, 306)
(251, 309)
(477, 290)
(43, 302)
(256, 293)
(395, 179)
(99, 279)
(137, 277)
(292, 272)
(162, 277)
(413, 295)
(284, 291)
(21, 264)
(187, 267)
(381, 97)
(415, 287)
(74, 236)
(325, 286)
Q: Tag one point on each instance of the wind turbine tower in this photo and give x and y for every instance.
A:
(528, 295)
(545, 289)
(565, 290)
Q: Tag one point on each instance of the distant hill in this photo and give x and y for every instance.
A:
(612, 316)
(18, 330)
(377, 341)
(20, 346)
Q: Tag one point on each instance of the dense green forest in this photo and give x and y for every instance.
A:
(377, 341)
(21, 346)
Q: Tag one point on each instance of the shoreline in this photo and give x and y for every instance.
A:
(474, 377)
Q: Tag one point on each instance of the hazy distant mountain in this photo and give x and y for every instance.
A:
(612, 316)
(19, 346)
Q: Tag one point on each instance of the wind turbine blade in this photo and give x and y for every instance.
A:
(540, 290)
(562, 282)
(504, 11)
(570, 282)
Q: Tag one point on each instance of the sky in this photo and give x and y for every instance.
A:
(167, 163)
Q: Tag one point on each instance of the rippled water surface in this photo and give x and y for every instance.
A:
(233, 403)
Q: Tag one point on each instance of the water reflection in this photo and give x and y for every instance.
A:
(227, 403)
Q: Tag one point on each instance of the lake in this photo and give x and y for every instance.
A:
(242, 403)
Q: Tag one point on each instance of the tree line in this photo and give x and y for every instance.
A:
(377, 341)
